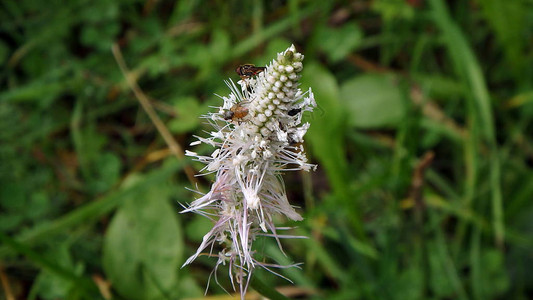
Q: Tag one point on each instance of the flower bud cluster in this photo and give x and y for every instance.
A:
(258, 133)
(276, 93)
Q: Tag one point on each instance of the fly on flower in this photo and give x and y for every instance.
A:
(293, 112)
(248, 158)
(248, 70)
(237, 112)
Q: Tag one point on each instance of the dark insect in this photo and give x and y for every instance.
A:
(293, 143)
(293, 112)
(228, 114)
(248, 70)
(236, 113)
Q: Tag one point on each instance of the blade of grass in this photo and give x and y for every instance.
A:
(468, 68)
(521, 197)
(445, 258)
(475, 276)
(294, 274)
(266, 290)
(328, 263)
(513, 236)
(77, 138)
(271, 31)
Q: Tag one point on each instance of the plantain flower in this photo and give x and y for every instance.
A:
(257, 134)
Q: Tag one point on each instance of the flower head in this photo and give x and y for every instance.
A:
(258, 133)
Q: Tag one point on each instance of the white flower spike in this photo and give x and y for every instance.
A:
(258, 134)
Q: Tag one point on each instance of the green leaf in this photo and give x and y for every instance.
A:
(100, 36)
(326, 135)
(107, 172)
(92, 211)
(339, 42)
(197, 227)
(373, 101)
(143, 246)
(440, 283)
(408, 284)
(494, 276)
(36, 91)
(438, 86)
(510, 22)
(393, 9)
(188, 111)
(189, 288)
(40, 204)
(81, 285)
(266, 290)
(327, 126)
(49, 285)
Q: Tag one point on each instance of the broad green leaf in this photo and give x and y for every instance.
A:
(339, 42)
(327, 126)
(197, 227)
(143, 246)
(373, 101)
(189, 288)
(327, 134)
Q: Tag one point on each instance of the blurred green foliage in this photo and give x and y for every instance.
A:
(422, 137)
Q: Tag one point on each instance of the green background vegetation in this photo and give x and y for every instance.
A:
(422, 137)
